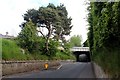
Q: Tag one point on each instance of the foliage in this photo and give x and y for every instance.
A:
(52, 48)
(39, 47)
(37, 56)
(62, 56)
(85, 44)
(15, 53)
(109, 61)
(75, 41)
(10, 51)
(53, 18)
(28, 36)
(51, 15)
(67, 47)
(104, 34)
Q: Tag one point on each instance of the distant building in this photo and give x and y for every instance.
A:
(6, 36)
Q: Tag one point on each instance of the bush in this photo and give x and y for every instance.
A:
(52, 47)
(28, 36)
(67, 47)
(109, 60)
(37, 56)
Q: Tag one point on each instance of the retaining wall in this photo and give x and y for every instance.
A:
(12, 67)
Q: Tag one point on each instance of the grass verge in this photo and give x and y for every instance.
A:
(11, 51)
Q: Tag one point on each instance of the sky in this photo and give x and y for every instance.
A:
(11, 12)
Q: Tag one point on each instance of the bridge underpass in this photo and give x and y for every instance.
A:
(82, 54)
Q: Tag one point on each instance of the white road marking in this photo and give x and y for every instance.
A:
(59, 67)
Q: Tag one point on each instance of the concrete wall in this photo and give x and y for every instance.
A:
(12, 67)
(99, 73)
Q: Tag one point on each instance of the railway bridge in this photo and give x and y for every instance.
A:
(81, 54)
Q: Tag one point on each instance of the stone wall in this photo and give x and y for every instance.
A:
(12, 67)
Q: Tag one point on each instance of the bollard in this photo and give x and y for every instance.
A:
(46, 66)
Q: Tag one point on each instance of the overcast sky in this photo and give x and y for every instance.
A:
(11, 12)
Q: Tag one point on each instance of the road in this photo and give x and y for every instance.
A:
(66, 70)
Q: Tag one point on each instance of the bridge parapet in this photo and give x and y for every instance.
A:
(79, 49)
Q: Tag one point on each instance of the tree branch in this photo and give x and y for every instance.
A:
(41, 33)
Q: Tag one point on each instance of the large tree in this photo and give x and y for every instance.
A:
(64, 27)
(54, 19)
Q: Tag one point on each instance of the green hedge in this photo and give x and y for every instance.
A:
(109, 61)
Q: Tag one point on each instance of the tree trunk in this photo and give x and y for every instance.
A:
(48, 37)
(47, 41)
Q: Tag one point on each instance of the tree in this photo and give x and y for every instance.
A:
(28, 36)
(64, 27)
(75, 41)
(48, 17)
(53, 18)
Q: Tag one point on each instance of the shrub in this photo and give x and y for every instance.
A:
(52, 47)
(109, 61)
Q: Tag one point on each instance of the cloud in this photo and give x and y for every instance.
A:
(77, 10)
(12, 10)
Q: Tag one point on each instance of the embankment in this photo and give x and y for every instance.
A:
(99, 73)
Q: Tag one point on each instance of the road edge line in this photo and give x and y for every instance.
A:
(59, 67)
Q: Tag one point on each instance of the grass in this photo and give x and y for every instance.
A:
(62, 56)
(11, 51)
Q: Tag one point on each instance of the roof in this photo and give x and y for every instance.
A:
(6, 36)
